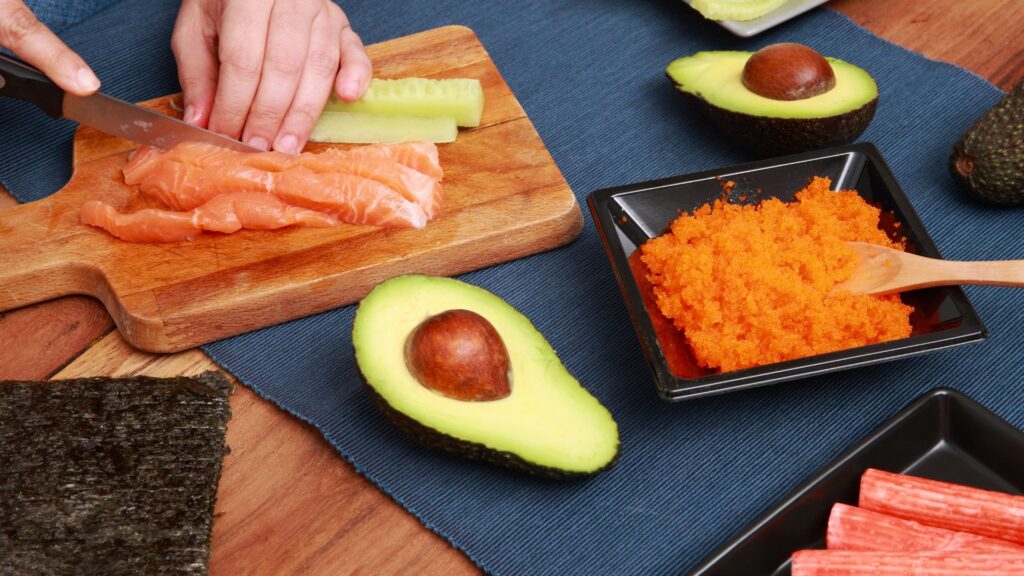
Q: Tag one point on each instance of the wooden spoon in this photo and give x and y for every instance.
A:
(884, 271)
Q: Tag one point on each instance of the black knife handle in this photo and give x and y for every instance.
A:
(23, 82)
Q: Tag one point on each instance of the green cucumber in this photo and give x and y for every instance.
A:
(735, 9)
(460, 98)
(363, 128)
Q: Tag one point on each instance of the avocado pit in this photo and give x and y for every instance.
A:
(459, 354)
(788, 71)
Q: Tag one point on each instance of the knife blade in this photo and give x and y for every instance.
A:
(106, 113)
(138, 124)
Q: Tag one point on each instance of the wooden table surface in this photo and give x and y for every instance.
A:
(287, 503)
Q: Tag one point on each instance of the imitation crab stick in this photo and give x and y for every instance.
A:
(853, 528)
(849, 563)
(944, 505)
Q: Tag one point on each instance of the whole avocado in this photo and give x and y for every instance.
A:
(989, 158)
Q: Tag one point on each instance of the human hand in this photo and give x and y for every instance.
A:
(262, 70)
(33, 42)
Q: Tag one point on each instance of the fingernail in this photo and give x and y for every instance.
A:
(87, 81)
(259, 143)
(287, 143)
(191, 115)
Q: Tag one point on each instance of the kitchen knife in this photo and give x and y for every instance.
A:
(106, 113)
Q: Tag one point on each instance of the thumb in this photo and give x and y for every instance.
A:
(27, 37)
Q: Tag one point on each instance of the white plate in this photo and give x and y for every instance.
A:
(748, 28)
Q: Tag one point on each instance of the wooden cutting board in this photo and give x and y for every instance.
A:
(504, 198)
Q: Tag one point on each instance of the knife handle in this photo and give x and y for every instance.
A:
(23, 82)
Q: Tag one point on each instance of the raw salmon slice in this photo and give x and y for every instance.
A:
(148, 225)
(420, 156)
(185, 186)
(193, 173)
(352, 199)
(376, 164)
(225, 213)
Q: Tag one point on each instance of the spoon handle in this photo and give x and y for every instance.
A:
(991, 273)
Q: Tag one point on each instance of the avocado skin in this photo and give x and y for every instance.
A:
(431, 438)
(988, 160)
(766, 136)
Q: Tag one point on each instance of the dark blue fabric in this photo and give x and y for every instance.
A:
(590, 75)
(59, 14)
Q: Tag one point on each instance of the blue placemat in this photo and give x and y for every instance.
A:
(589, 73)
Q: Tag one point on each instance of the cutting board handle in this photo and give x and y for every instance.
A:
(39, 259)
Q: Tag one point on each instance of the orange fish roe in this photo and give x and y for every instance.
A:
(751, 285)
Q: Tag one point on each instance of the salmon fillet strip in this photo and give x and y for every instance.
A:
(225, 213)
(192, 173)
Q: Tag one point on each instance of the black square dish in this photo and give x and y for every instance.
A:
(944, 435)
(628, 216)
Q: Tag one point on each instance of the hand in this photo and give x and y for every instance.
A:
(33, 42)
(262, 70)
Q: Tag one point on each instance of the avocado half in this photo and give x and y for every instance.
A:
(547, 425)
(767, 126)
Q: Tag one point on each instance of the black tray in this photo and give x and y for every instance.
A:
(944, 435)
(628, 216)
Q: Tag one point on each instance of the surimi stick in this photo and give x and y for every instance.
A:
(853, 528)
(944, 505)
(848, 563)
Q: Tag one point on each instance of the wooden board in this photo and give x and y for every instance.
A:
(504, 198)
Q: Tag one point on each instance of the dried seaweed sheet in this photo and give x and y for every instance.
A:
(110, 475)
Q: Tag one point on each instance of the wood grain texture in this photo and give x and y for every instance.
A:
(55, 332)
(504, 198)
(367, 533)
(287, 503)
(983, 36)
(52, 333)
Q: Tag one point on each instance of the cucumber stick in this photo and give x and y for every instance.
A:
(735, 9)
(460, 98)
(365, 128)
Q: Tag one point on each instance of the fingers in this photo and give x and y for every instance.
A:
(23, 34)
(288, 40)
(241, 48)
(356, 69)
(193, 44)
(315, 85)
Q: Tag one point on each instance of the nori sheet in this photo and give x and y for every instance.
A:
(110, 475)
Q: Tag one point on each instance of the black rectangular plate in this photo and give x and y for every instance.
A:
(628, 216)
(944, 435)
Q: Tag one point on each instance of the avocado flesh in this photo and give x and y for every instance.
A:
(767, 126)
(548, 425)
(988, 160)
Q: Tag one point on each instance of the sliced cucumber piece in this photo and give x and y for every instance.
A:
(363, 128)
(460, 98)
(735, 9)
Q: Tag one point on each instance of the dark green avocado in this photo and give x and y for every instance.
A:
(715, 82)
(988, 160)
(537, 419)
